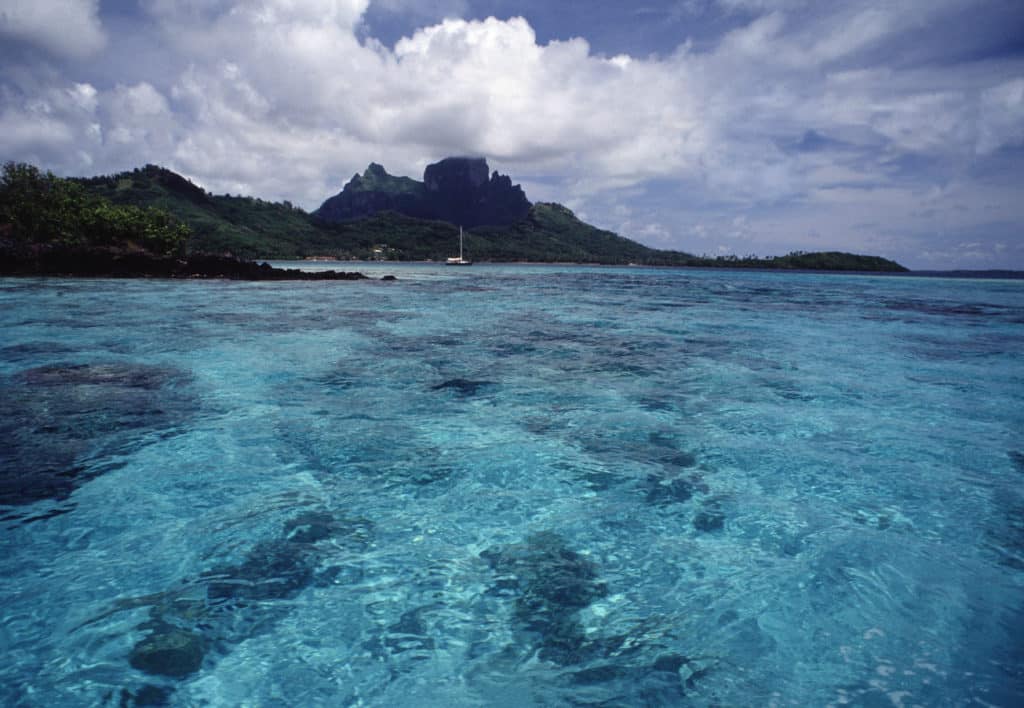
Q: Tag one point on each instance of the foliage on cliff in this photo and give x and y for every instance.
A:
(40, 210)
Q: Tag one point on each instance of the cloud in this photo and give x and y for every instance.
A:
(48, 24)
(1001, 120)
(288, 98)
(555, 103)
(267, 88)
(55, 125)
(137, 119)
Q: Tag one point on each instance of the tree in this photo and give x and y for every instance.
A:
(43, 208)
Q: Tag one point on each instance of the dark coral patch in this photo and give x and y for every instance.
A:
(168, 651)
(463, 387)
(661, 491)
(1017, 458)
(58, 420)
(240, 599)
(551, 583)
(710, 518)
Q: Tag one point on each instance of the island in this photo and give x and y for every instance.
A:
(153, 221)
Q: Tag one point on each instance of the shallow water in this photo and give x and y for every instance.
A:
(511, 485)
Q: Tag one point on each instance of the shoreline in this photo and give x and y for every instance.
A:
(960, 273)
(114, 263)
(95, 263)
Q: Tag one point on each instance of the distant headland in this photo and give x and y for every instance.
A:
(152, 221)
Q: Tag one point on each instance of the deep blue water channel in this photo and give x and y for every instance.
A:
(513, 486)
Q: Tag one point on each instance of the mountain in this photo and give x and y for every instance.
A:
(456, 189)
(249, 227)
(372, 192)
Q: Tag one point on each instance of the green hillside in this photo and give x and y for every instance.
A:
(249, 227)
(552, 233)
(40, 212)
(253, 228)
(244, 226)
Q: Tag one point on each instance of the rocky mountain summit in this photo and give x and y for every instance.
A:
(457, 190)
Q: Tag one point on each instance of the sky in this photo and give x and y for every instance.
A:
(884, 127)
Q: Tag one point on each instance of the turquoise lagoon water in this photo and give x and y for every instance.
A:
(513, 486)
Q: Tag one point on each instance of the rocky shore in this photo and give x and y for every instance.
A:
(110, 263)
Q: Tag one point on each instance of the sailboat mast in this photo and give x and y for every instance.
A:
(461, 258)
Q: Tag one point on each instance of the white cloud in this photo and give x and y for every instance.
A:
(55, 125)
(856, 33)
(758, 39)
(925, 122)
(22, 132)
(257, 90)
(1001, 120)
(514, 99)
(137, 119)
(63, 27)
(288, 98)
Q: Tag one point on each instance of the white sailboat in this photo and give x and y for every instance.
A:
(459, 260)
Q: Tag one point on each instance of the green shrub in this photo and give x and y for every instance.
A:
(45, 209)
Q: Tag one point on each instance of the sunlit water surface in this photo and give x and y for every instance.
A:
(513, 486)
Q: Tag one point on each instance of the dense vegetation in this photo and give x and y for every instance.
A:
(243, 226)
(55, 226)
(820, 260)
(40, 210)
(134, 208)
(552, 232)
